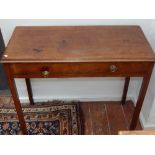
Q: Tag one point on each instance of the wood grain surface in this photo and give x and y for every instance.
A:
(78, 44)
(89, 69)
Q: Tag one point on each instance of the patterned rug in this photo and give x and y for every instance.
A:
(52, 118)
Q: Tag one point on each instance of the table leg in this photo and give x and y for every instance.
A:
(29, 90)
(16, 100)
(140, 100)
(125, 90)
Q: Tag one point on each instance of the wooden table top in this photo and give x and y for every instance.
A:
(78, 44)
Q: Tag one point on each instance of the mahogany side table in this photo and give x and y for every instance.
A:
(78, 51)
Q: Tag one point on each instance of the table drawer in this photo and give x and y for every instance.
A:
(80, 69)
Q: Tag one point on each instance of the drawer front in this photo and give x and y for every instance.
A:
(45, 70)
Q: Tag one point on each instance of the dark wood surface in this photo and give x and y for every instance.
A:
(125, 90)
(29, 90)
(79, 51)
(15, 97)
(87, 69)
(78, 44)
(140, 100)
(107, 117)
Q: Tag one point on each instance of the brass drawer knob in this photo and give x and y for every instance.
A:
(45, 72)
(113, 68)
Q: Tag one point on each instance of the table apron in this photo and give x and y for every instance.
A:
(71, 70)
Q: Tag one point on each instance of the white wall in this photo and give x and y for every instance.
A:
(88, 89)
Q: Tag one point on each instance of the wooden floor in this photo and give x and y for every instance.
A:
(106, 118)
